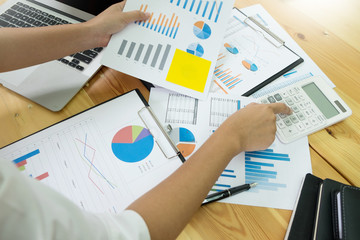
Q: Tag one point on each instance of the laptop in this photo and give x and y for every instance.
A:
(55, 83)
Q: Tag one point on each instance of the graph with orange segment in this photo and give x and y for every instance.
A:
(167, 25)
(184, 140)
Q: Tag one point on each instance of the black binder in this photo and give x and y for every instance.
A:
(346, 213)
(303, 217)
(325, 210)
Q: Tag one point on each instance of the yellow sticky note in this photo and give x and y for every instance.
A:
(189, 71)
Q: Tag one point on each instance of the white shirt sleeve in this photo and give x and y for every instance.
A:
(31, 210)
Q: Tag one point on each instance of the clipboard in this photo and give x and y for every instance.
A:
(252, 55)
(103, 158)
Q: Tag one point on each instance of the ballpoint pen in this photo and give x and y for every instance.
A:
(227, 193)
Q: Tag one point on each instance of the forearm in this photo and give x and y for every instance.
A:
(169, 207)
(25, 47)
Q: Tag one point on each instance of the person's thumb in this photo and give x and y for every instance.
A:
(136, 15)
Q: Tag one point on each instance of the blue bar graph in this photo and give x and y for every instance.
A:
(222, 182)
(198, 8)
(26, 156)
(226, 77)
(210, 9)
(218, 12)
(259, 167)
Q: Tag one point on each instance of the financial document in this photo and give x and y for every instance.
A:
(278, 170)
(232, 49)
(176, 47)
(102, 159)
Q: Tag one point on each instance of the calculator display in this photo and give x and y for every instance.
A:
(320, 100)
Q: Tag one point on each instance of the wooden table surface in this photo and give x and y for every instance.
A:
(328, 31)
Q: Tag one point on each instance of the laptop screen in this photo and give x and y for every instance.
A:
(93, 7)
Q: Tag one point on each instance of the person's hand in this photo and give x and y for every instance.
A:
(113, 20)
(253, 127)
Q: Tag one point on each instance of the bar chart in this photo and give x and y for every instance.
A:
(167, 25)
(226, 77)
(22, 161)
(181, 109)
(260, 167)
(147, 54)
(221, 109)
(224, 181)
(210, 10)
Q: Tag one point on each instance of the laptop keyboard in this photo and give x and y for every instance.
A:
(22, 15)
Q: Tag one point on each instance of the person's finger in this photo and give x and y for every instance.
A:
(280, 108)
(133, 16)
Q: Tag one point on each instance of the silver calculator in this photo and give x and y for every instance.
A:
(315, 105)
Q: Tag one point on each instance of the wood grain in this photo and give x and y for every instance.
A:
(328, 31)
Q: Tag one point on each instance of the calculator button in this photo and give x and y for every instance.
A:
(289, 101)
(307, 124)
(307, 104)
(281, 124)
(301, 97)
(278, 97)
(271, 99)
(282, 115)
(294, 119)
(264, 101)
(291, 92)
(287, 121)
(321, 118)
(300, 126)
(307, 113)
(296, 89)
(289, 131)
(295, 109)
(302, 106)
(284, 94)
(301, 116)
(296, 98)
(314, 121)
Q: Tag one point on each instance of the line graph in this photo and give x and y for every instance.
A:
(88, 155)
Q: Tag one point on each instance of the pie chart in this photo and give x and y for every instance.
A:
(249, 65)
(132, 144)
(195, 49)
(202, 30)
(231, 48)
(184, 140)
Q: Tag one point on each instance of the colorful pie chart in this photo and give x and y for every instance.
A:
(195, 49)
(132, 144)
(202, 30)
(184, 140)
(249, 65)
(231, 48)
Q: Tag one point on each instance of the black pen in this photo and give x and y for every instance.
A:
(227, 193)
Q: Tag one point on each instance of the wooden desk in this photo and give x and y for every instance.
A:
(329, 32)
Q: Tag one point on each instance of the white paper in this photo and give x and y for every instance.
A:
(77, 157)
(201, 118)
(147, 50)
(305, 70)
